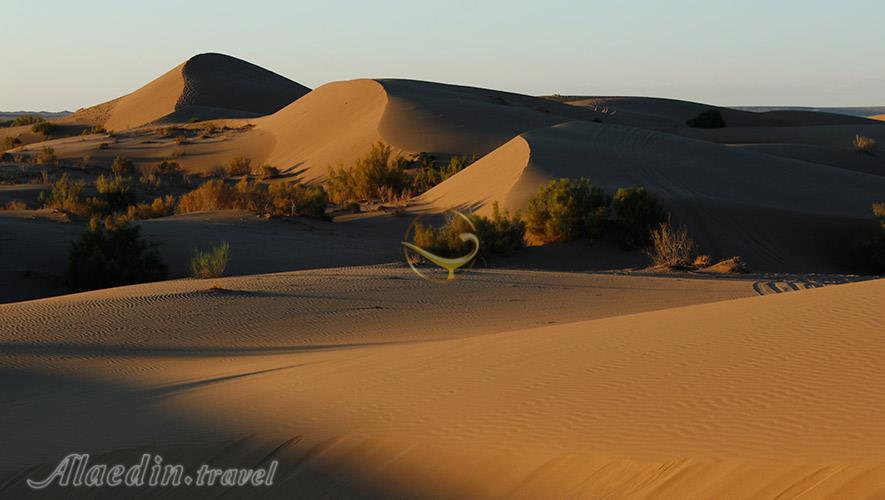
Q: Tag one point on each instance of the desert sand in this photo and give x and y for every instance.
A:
(600, 386)
(560, 371)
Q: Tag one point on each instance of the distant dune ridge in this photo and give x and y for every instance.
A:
(206, 86)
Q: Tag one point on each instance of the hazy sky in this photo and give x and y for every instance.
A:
(63, 54)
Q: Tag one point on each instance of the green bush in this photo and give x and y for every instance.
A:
(710, 118)
(566, 209)
(636, 212)
(26, 120)
(116, 193)
(429, 175)
(122, 166)
(210, 264)
(44, 127)
(378, 175)
(298, 199)
(499, 234)
(112, 254)
(64, 195)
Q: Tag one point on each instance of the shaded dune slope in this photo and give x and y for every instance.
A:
(777, 213)
(207, 86)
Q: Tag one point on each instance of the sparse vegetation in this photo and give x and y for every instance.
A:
(636, 212)
(499, 234)
(429, 175)
(103, 145)
(671, 247)
(278, 199)
(378, 175)
(268, 172)
(46, 156)
(122, 166)
(864, 144)
(26, 120)
(160, 207)
(64, 195)
(10, 142)
(111, 253)
(710, 118)
(115, 194)
(212, 263)
(566, 209)
(239, 166)
(44, 127)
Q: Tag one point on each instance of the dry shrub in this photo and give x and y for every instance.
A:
(64, 195)
(160, 207)
(864, 144)
(211, 195)
(702, 261)
(10, 142)
(501, 233)
(46, 156)
(239, 166)
(268, 172)
(212, 263)
(671, 247)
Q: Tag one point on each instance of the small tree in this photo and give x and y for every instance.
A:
(566, 209)
(212, 263)
(44, 127)
(636, 212)
(110, 254)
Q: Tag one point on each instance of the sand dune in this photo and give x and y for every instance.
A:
(769, 210)
(684, 402)
(336, 123)
(206, 86)
(675, 113)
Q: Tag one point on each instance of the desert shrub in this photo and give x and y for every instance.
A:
(103, 145)
(499, 234)
(209, 128)
(168, 168)
(291, 199)
(46, 156)
(250, 195)
(710, 118)
(636, 212)
(268, 172)
(115, 193)
(180, 139)
(178, 153)
(44, 127)
(212, 263)
(26, 120)
(429, 175)
(10, 142)
(211, 195)
(64, 195)
(864, 144)
(376, 175)
(566, 209)
(239, 166)
(122, 166)
(671, 247)
(160, 207)
(111, 253)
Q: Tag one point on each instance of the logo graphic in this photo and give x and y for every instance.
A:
(447, 263)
